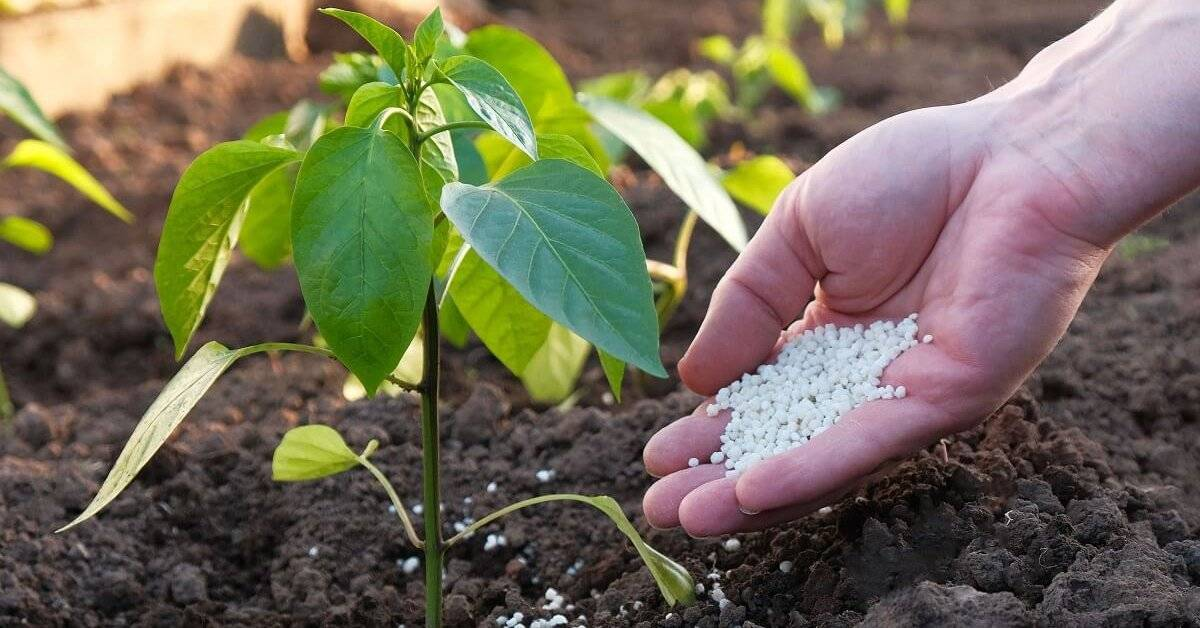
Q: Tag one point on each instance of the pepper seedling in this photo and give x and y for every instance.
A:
(46, 151)
(382, 227)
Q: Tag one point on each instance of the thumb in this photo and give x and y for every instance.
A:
(766, 289)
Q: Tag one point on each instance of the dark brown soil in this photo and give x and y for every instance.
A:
(1078, 503)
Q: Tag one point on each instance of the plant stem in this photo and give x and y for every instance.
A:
(431, 453)
(6, 404)
(409, 530)
(450, 126)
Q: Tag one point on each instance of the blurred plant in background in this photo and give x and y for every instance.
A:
(48, 152)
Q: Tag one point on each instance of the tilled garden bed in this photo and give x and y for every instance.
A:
(1078, 503)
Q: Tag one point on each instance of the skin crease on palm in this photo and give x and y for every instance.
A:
(991, 219)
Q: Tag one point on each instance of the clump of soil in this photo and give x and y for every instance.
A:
(1077, 503)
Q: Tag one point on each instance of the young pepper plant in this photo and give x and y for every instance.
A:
(46, 151)
(373, 210)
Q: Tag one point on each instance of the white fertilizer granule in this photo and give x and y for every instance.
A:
(818, 377)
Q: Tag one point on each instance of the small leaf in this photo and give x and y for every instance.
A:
(18, 104)
(614, 372)
(566, 241)
(350, 71)
(554, 370)
(758, 182)
(717, 48)
(202, 226)
(674, 582)
(790, 74)
(387, 42)
(490, 95)
(427, 34)
(166, 413)
(310, 452)
(27, 234)
(438, 151)
(16, 306)
(681, 167)
(274, 124)
(779, 18)
(305, 123)
(361, 236)
(50, 158)
(511, 328)
(370, 100)
(266, 234)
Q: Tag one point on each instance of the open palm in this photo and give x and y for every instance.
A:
(921, 213)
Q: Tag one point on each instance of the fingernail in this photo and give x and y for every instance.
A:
(748, 512)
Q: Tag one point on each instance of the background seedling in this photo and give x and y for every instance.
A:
(46, 151)
(391, 244)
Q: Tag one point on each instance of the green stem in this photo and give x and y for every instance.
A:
(6, 405)
(676, 277)
(450, 126)
(533, 501)
(431, 450)
(396, 503)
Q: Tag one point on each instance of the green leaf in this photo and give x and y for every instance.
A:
(778, 18)
(352, 70)
(897, 11)
(566, 241)
(682, 119)
(438, 151)
(27, 234)
(790, 74)
(310, 452)
(50, 158)
(491, 96)
(527, 66)
(717, 48)
(452, 324)
(370, 100)
(274, 124)
(202, 226)
(511, 328)
(266, 234)
(409, 370)
(387, 42)
(427, 34)
(361, 235)
(681, 167)
(758, 182)
(674, 582)
(305, 123)
(554, 370)
(16, 306)
(623, 86)
(18, 104)
(550, 146)
(166, 413)
(614, 372)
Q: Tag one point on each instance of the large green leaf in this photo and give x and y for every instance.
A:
(758, 182)
(50, 158)
(511, 328)
(16, 306)
(529, 68)
(550, 146)
(681, 167)
(266, 235)
(387, 42)
(491, 97)
(166, 413)
(310, 452)
(27, 234)
(18, 104)
(566, 241)
(552, 373)
(362, 234)
(202, 226)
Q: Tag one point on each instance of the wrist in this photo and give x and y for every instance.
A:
(1103, 127)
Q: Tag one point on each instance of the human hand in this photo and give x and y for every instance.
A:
(925, 213)
(990, 219)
